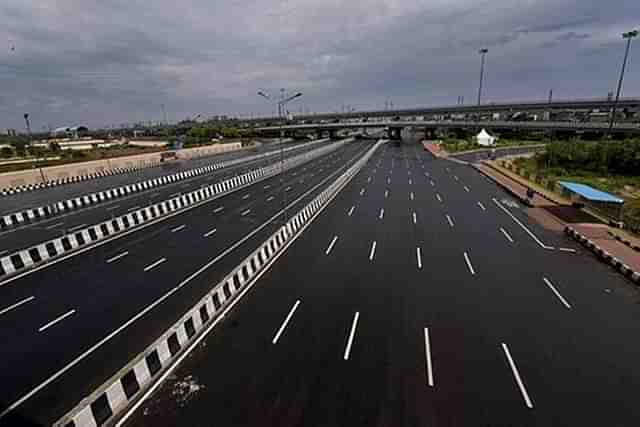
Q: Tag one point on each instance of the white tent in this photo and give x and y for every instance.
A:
(485, 139)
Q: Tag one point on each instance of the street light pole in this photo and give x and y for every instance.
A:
(483, 53)
(628, 35)
(281, 115)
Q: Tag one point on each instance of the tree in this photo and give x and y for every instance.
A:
(6, 152)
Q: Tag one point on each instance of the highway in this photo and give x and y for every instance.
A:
(30, 199)
(77, 322)
(33, 233)
(422, 296)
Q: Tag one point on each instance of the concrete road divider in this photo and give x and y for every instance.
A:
(128, 385)
(604, 256)
(32, 215)
(38, 255)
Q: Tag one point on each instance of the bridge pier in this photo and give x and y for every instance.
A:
(394, 133)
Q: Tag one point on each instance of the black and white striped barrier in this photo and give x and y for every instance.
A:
(73, 179)
(37, 214)
(37, 255)
(625, 241)
(127, 385)
(604, 256)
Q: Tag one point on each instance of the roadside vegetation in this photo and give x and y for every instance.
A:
(38, 154)
(612, 166)
(454, 145)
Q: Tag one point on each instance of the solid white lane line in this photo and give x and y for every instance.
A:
(56, 320)
(178, 228)
(247, 212)
(286, 321)
(154, 265)
(533, 236)
(354, 325)
(438, 197)
(209, 233)
(246, 196)
(72, 229)
(54, 226)
(468, 261)
(351, 210)
(415, 220)
(373, 250)
(411, 195)
(573, 251)
(449, 220)
(135, 208)
(111, 208)
(218, 209)
(466, 188)
(482, 206)
(270, 198)
(117, 257)
(386, 193)
(381, 214)
(16, 305)
(506, 234)
(555, 291)
(516, 375)
(333, 242)
(419, 257)
(427, 352)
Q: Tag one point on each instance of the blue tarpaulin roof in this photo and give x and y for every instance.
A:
(590, 193)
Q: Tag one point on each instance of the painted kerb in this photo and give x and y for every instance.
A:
(42, 253)
(37, 214)
(119, 391)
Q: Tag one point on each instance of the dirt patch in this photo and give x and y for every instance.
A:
(571, 215)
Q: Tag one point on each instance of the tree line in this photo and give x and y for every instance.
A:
(611, 157)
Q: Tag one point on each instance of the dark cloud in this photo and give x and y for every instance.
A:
(110, 62)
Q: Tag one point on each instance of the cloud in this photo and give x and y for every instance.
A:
(111, 62)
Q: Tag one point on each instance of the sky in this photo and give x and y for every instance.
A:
(104, 63)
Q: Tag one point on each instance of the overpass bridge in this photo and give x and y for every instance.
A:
(594, 104)
(394, 128)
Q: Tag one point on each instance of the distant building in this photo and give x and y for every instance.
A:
(70, 132)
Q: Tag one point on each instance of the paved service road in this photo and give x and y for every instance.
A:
(152, 275)
(31, 234)
(415, 299)
(31, 199)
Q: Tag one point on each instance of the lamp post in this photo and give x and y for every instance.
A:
(483, 53)
(282, 102)
(628, 36)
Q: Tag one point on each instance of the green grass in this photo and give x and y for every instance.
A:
(81, 156)
(457, 145)
(626, 187)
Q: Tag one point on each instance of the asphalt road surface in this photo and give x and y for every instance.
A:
(422, 296)
(31, 234)
(152, 276)
(31, 199)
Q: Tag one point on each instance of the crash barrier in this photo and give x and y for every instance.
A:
(47, 251)
(43, 212)
(128, 384)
